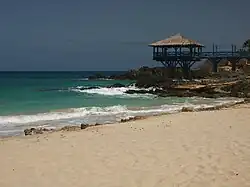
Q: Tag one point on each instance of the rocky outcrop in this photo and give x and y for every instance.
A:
(239, 89)
(141, 73)
(167, 82)
(206, 88)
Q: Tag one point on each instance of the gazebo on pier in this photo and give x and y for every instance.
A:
(176, 51)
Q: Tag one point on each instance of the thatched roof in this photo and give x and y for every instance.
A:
(176, 40)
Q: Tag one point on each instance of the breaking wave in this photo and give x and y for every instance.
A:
(12, 125)
(111, 91)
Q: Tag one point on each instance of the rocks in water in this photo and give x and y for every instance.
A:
(33, 131)
(90, 87)
(138, 91)
(116, 85)
(208, 88)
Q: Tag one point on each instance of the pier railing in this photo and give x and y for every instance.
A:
(201, 55)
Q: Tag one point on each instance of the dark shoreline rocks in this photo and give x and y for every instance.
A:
(41, 130)
(167, 84)
(33, 131)
(235, 88)
(37, 131)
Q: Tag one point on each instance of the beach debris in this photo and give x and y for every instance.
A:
(33, 131)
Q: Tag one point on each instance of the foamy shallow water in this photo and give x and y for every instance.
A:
(14, 125)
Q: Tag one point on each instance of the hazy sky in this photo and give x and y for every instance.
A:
(109, 34)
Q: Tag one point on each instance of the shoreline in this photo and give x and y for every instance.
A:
(184, 109)
(183, 149)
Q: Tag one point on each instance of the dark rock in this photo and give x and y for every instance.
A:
(137, 92)
(90, 87)
(84, 126)
(240, 88)
(70, 128)
(33, 131)
(247, 100)
(139, 117)
(116, 85)
(187, 109)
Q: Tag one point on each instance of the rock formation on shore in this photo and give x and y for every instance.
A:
(166, 82)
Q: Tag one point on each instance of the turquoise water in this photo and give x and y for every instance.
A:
(59, 98)
(27, 93)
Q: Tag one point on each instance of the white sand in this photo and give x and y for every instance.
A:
(189, 149)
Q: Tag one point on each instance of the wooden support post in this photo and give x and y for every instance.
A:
(233, 65)
(191, 51)
(175, 49)
(215, 64)
(185, 69)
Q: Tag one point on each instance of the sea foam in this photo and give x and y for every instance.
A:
(120, 91)
(116, 111)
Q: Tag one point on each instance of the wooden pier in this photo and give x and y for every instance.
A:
(180, 51)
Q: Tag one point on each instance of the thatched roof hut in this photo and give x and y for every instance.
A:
(176, 41)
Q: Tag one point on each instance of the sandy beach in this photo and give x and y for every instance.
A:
(210, 148)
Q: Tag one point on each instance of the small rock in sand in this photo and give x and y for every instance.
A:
(33, 131)
(70, 128)
(187, 109)
(84, 126)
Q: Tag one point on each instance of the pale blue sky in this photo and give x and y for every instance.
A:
(109, 34)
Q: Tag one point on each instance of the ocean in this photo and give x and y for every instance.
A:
(55, 99)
